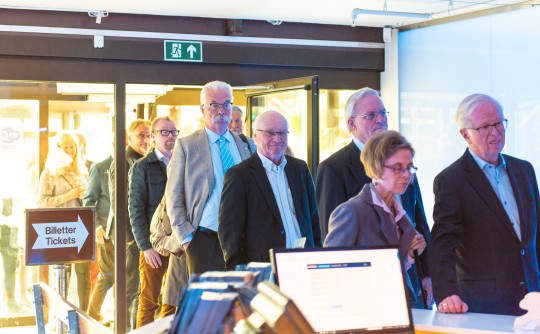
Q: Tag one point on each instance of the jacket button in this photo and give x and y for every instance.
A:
(282, 232)
(522, 252)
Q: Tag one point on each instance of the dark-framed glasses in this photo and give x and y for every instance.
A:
(271, 134)
(398, 169)
(166, 133)
(486, 129)
(372, 115)
(141, 135)
(215, 106)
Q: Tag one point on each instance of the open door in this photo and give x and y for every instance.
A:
(298, 100)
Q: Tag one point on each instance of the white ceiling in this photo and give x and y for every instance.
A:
(338, 12)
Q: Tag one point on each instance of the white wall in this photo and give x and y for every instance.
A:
(497, 55)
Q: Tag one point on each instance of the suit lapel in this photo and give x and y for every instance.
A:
(517, 181)
(481, 185)
(356, 168)
(259, 174)
(294, 179)
(203, 148)
(243, 148)
(387, 227)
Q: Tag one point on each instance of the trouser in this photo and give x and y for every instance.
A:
(105, 278)
(204, 253)
(10, 257)
(151, 283)
(132, 284)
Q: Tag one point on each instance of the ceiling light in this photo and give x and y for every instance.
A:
(358, 11)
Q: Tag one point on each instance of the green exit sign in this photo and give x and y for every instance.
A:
(183, 51)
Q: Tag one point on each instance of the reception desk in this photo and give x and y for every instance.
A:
(427, 321)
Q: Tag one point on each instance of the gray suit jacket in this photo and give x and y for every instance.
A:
(191, 180)
(358, 222)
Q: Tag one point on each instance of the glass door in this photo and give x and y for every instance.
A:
(298, 100)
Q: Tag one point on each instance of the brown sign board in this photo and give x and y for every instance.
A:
(60, 235)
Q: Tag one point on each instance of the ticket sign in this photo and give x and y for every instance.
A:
(60, 235)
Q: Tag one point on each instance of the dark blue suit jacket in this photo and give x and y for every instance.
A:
(474, 251)
(249, 220)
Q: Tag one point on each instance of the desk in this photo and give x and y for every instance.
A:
(427, 322)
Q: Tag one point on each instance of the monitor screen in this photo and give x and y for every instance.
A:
(346, 289)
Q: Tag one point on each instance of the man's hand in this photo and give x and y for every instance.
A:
(152, 258)
(100, 235)
(453, 304)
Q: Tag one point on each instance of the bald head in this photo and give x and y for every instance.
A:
(271, 135)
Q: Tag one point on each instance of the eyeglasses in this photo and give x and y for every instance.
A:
(271, 134)
(401, 169)
(165, 133)
(215, 106)
(486, 129)
(141, 135)
(372, 115)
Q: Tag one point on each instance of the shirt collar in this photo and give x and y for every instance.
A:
(358, 143)
(269, 165)
(159, 155)
(214, 137)
(377, 200)
(482, 163)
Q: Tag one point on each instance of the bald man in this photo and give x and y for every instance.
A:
(268, 200)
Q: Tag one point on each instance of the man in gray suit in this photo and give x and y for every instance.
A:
(195, 179)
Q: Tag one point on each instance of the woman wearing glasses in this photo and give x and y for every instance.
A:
(375, 217)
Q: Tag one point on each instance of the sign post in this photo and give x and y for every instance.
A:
(60, 235)
(182, 51)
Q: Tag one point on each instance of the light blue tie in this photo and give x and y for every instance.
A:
(226, 157)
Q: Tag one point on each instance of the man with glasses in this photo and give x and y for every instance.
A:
(138, 146)
(342, 176)
(483, 253)
(147, 180)
(268, 200)
(195, 172)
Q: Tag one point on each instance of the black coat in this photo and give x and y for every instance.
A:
(475, 252)
(249, 220)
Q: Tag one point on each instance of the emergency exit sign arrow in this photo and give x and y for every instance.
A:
(191, 49)
(60, 235)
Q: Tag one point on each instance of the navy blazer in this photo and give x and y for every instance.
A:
(474, 251)
(249, 220)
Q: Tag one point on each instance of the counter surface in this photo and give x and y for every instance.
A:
(427, 321)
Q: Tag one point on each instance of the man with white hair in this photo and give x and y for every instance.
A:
(268, 200)
(195, 179)
(484, 248)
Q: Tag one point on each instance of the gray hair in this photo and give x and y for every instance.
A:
(469, 105)
(237, 108)
(215, 86)
(356, 97)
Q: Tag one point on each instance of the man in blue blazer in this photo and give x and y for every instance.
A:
(268, 200)
(483, 253)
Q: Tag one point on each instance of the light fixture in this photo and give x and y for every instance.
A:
(98, 14)
(358, 11)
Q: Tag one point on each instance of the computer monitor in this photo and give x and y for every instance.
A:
(346, 290)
